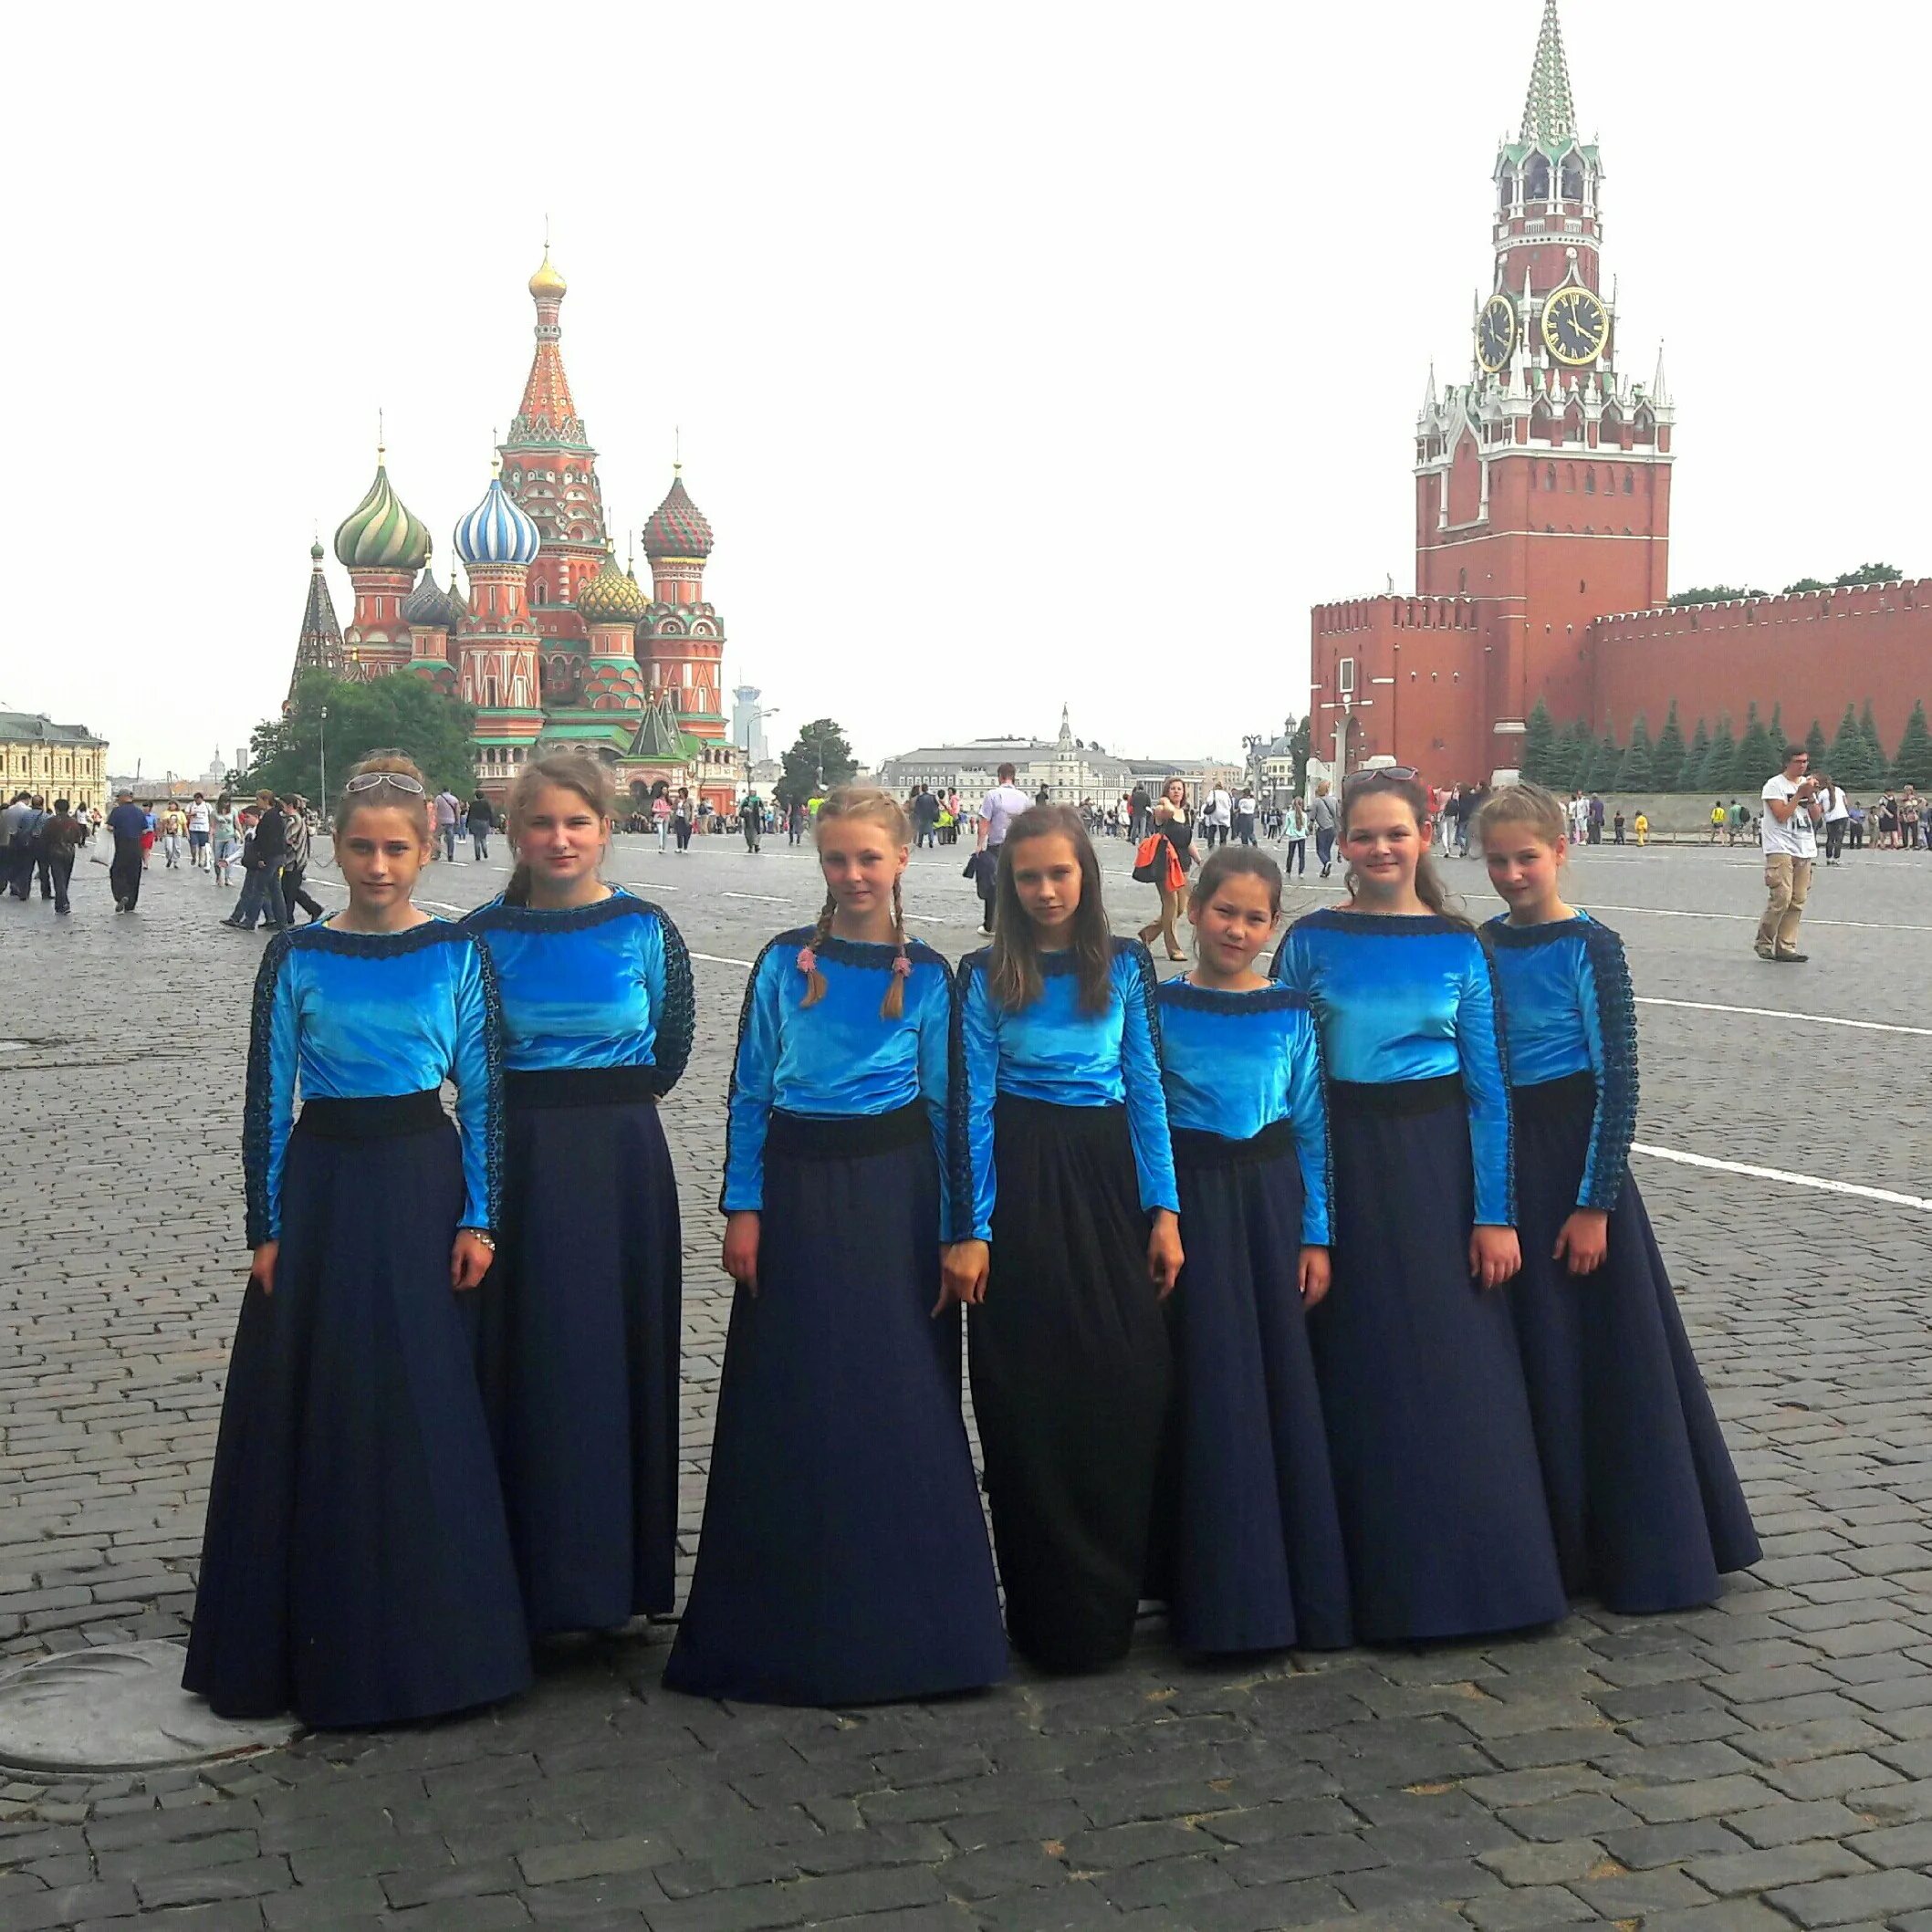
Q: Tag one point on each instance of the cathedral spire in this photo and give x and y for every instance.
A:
(547, 418)
(1550, 109)
(319, 647)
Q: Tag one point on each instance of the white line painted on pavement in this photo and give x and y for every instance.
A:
(766, 898)
(1664, 912)
(719, 959)
(1816, 1019)
(1818, 1182)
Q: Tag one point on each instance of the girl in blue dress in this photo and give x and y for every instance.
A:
(581, 1317)
(357, 1566)
(844, 1558)
(1258, 1561)
(1647, 1507)
(1422, 1385)
(1063, 1129)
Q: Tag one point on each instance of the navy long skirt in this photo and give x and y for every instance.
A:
(356, 1567)
(1071, 1378)
(1422, 1386)
(844, 1558)
(581, 1349)
(1258, 1550)
(1647, 1507)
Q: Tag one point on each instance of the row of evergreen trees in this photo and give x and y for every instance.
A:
(1574, 760)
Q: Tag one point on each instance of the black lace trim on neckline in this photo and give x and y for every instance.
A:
(322, 938)
(875, 954)
(1222, 999)
(1499, 931)
(1392, 926)
(496, 915)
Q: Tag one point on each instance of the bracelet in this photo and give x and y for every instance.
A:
(480, 1234)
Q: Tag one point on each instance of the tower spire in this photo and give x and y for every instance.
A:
(1550, 109)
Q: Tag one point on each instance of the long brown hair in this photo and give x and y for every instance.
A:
(1013, 969)
(1429, 887)
(880, 809)
(575, 771)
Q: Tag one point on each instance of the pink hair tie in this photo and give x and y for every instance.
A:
(902, 966)
(808, 960)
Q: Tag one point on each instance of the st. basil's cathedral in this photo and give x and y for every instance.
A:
(554, 643)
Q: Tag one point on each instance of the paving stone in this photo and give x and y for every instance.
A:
(1838, 1901)
(1790, 1864)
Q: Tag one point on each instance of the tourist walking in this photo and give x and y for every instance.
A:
(1321, 817)
(1837, 817)
(1429, 1425)
(1258, 1560)
(1790, 833)
(263, 853)
(174, 834)
(684, 817)
(357, 1566)
(16, 850)
(1247, 811)
(61, 837)
(481, 821)
(1647, 1507)
(198, 817)
(844, 1557)
(751, 819)
(128, 824)
(581, 1315)
(1217, 814)
(997, 811)
(449, 814)
(1074, 1244)
(224, 845)
(295, 859)
(661, 819)
(1171, 828)
(1294, 834)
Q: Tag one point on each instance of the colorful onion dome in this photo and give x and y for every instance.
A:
(611, 597)
(497, 531)
(547, 281)
(677, 527)
(431, 607)
(380, 533)
(316, 552)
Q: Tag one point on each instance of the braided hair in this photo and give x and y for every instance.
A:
(883, 810)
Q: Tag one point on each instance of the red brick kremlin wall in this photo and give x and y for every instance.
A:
(1813, 653)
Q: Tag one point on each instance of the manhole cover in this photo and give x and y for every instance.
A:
(117, 1708)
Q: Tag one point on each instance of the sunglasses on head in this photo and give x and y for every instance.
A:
(1395, 773)
(368, 780)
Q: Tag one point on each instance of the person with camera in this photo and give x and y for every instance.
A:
(1792, 811)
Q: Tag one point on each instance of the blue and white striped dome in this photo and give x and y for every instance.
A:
(497, 531)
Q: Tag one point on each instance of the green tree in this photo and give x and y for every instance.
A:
(1756, 758)
(1913, 765)
(1570, 757)
(1719, 771)
(1806, 584)
(1301, 743)
(1605, 761)
(1667, 765)
(1850, 758)
(1539, 747)
(1639, 768)
(1814, 746)
(284, 753)
(1779, 740)
(1691, 776)
(1881, 766)
(818, 760)
(1712, 594)
(1868, 573)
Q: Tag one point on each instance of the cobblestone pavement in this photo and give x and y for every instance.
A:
(1764, 1764)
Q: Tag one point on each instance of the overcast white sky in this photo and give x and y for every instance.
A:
(1022, 352)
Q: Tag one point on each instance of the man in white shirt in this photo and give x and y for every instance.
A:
(1218, 816)
(198, 819)
(1247, 808)
(998, 809)
(1790, 833)
(1837, 816)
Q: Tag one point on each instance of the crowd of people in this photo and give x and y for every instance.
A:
(1265, 1277)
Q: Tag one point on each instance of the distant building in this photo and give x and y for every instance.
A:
(1071, 771)
(64, 761)
(748, 723)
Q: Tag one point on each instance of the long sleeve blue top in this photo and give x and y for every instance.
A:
(1568, 1008)
(356, 1016)
(605, 985)
(1411, 998)
(839, 1058)
(1235, 1063)
(1052, 1051)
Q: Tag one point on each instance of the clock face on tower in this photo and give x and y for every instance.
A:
(1576, 325)
(1496, 333)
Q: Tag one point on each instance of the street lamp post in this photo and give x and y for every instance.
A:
(322, 754)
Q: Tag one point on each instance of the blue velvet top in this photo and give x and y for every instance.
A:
(606, 984)
(1568, 1008)
(1234, 1063)
(1411, 998)
(838, 1058)
(1052, 1052)
(351, 1016)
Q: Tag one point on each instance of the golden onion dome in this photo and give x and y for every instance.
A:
(547, 281)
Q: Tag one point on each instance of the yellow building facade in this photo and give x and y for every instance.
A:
(63, 761)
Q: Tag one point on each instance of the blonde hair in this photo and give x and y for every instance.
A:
(575, 771)
(883, 810)
(388, 762)
(1524, 804)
